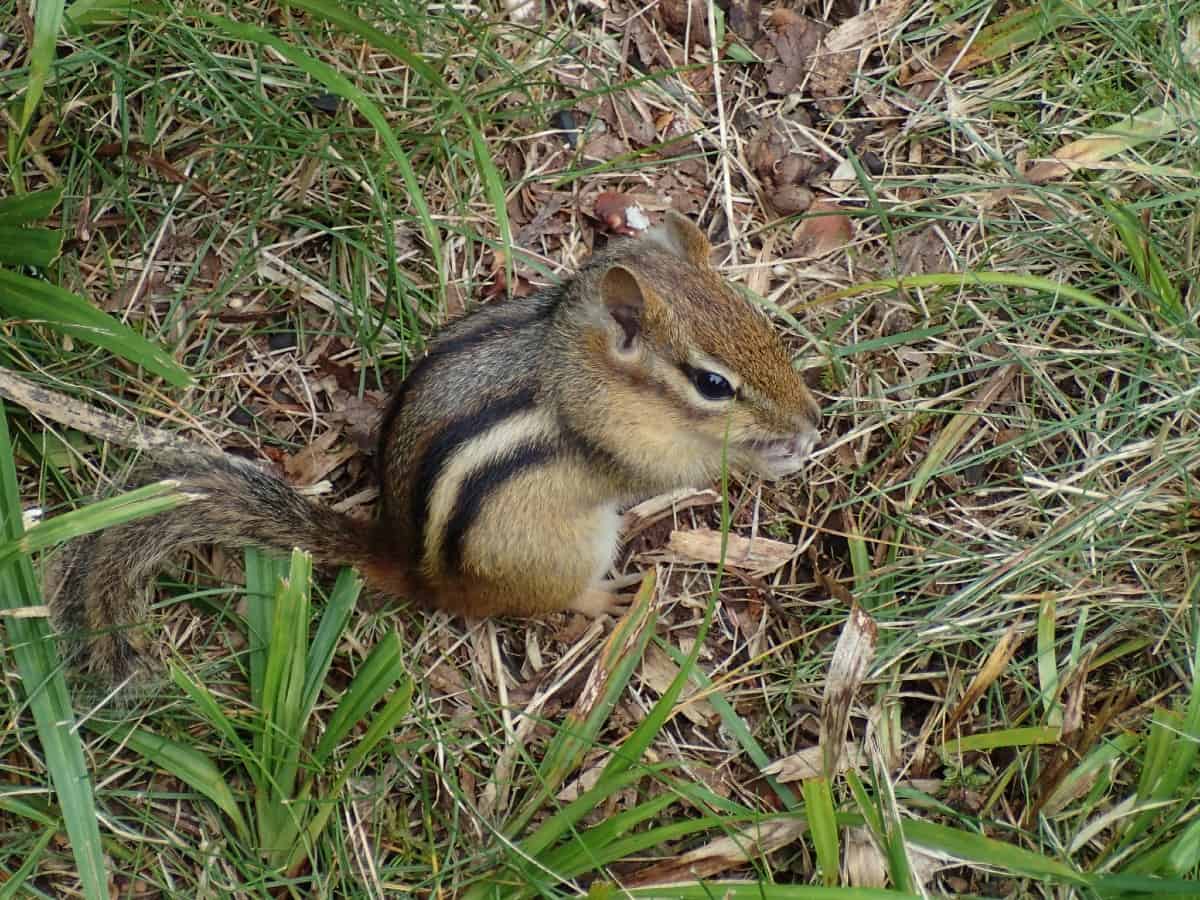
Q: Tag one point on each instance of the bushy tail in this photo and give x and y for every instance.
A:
(101, 584)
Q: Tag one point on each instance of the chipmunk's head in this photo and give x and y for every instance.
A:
(690, 363)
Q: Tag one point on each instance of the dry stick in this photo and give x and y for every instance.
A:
(723, 130)
(76, 414)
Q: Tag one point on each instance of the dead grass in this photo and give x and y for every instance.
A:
(1007, 488)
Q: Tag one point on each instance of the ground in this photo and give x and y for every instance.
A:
(956, 655)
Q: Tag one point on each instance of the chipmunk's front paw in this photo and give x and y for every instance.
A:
(595, 602)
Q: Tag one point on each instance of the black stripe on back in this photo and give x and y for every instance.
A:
(583, 445)
(445, 347)
(476, 488)
(456, 433)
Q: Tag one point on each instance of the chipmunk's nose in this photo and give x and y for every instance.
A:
(804, 441)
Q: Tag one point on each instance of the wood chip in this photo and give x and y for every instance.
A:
(759, 556)
(72, 413)
(638, 518)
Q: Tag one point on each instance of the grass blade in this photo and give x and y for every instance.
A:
(1005, 737)
(747, 890)
(188, 765)
(383, 668)
(492, 181)
(264, 572)
(338, 84)
(622, 652)
(736, 726)
(36, 655)
(986, 851)
(25, 209)
(22, 297)
(822, 824)
(29, 246)
(12, 887)
(961, 280)
(333, 623)
(207, 704)
(46, 27)
(144, 501)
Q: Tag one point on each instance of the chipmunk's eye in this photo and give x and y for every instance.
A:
(711, 385)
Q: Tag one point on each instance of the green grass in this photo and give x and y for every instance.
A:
(1009, 365)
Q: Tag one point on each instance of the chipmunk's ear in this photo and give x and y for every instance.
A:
(679, 235)
(625, 301)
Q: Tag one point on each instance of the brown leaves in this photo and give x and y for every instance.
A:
(789, 45)
(722, 854)
(317, 460)
(686, 18)
(798, 48)
(995, 41)
(825, 229)
(839, 54)
(782, 170)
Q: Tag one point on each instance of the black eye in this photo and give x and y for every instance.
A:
(711, 385)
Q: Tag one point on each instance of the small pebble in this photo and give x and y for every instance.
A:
(326, 103)
(563, 121)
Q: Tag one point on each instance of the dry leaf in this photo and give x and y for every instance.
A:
(659, 670)
(686, 18)
(1000, 656)
(807, 763)
(722, 854)
(759, 555)
(837, 59)
(852, 657)
(825, 229)
(791, 43)
(603, 147)
(315, 461)
(1127, 133)
(585, 782)
(863, 864)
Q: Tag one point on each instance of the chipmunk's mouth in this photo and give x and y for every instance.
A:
(777, 457)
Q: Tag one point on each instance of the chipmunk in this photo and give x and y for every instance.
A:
(504, 456)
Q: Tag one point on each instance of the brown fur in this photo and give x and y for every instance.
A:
(504, 455)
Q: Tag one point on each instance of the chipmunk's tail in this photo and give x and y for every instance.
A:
(100, 587)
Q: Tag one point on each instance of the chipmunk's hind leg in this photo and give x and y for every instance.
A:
(511, 572)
